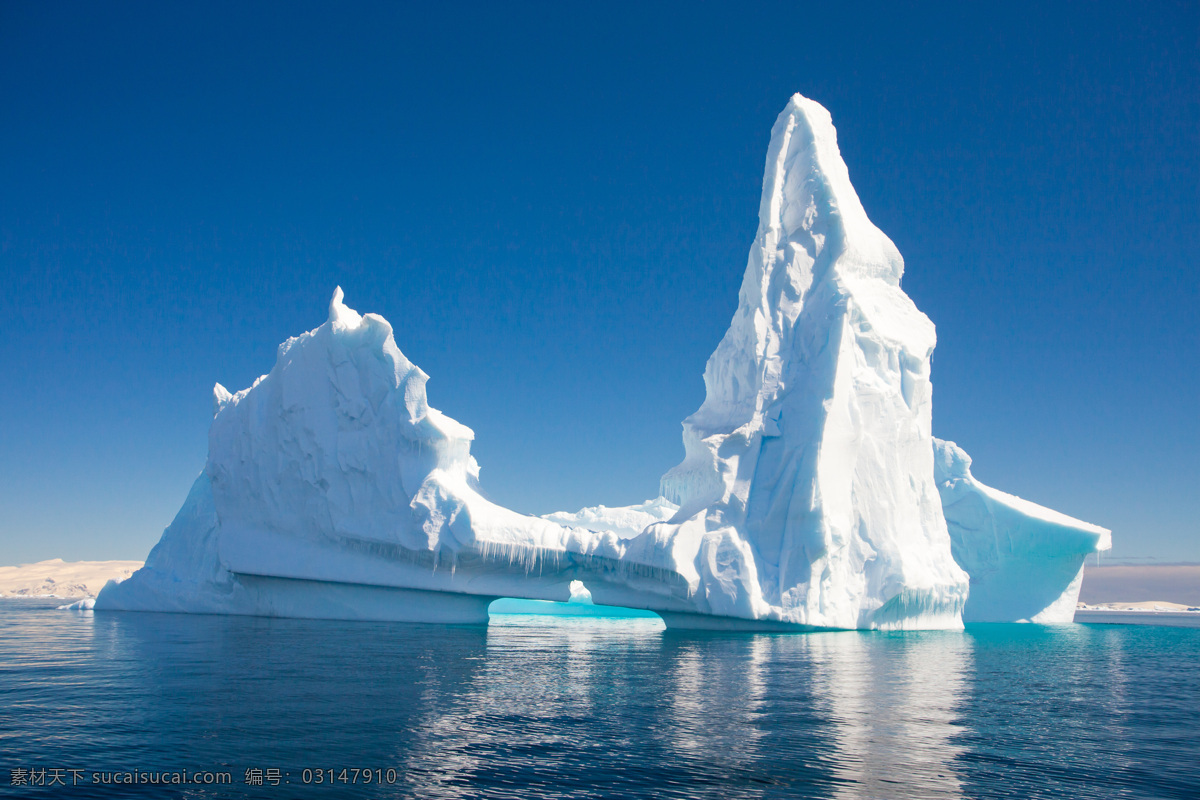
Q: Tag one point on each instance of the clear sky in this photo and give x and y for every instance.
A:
(553, 204)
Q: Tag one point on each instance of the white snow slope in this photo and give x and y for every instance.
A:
(1025, 560)
(806, 498)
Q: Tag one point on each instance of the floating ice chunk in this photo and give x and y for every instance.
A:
(580, 594)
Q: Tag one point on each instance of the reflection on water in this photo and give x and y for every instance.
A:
(578, 707)
(894, 709)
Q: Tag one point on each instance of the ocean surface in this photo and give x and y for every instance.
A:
(563, 707)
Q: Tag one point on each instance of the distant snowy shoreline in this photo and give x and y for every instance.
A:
(60, 579)
(1144, 607)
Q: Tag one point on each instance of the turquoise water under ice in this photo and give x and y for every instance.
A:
(537, 706)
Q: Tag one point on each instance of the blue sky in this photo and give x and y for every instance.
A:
(553, 205)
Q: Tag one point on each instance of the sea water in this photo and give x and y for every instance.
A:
(566, 707)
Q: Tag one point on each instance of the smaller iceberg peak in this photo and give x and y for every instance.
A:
(340, 315)
(221, 398)
(950, 463)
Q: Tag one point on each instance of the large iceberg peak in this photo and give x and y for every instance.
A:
(811, 455)
(808, 202)
(816, 253)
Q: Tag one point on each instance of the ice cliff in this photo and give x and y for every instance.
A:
(1025, 560)
(806, 499)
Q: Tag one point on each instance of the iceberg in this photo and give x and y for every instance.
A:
(807, 497)
(1025, 560)
(333, 489)
(808, 474)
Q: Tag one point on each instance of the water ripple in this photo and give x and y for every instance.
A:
(599, 708)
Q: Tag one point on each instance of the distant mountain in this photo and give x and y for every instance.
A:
(1172, 583)
(58, 578)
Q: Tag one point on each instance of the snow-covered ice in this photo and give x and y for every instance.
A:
(806, 498)
(1025, 560)
(625, 521)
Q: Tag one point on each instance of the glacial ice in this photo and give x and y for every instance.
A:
(333, 489)
(806, 499)
(808, 475)
(1025, 560)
